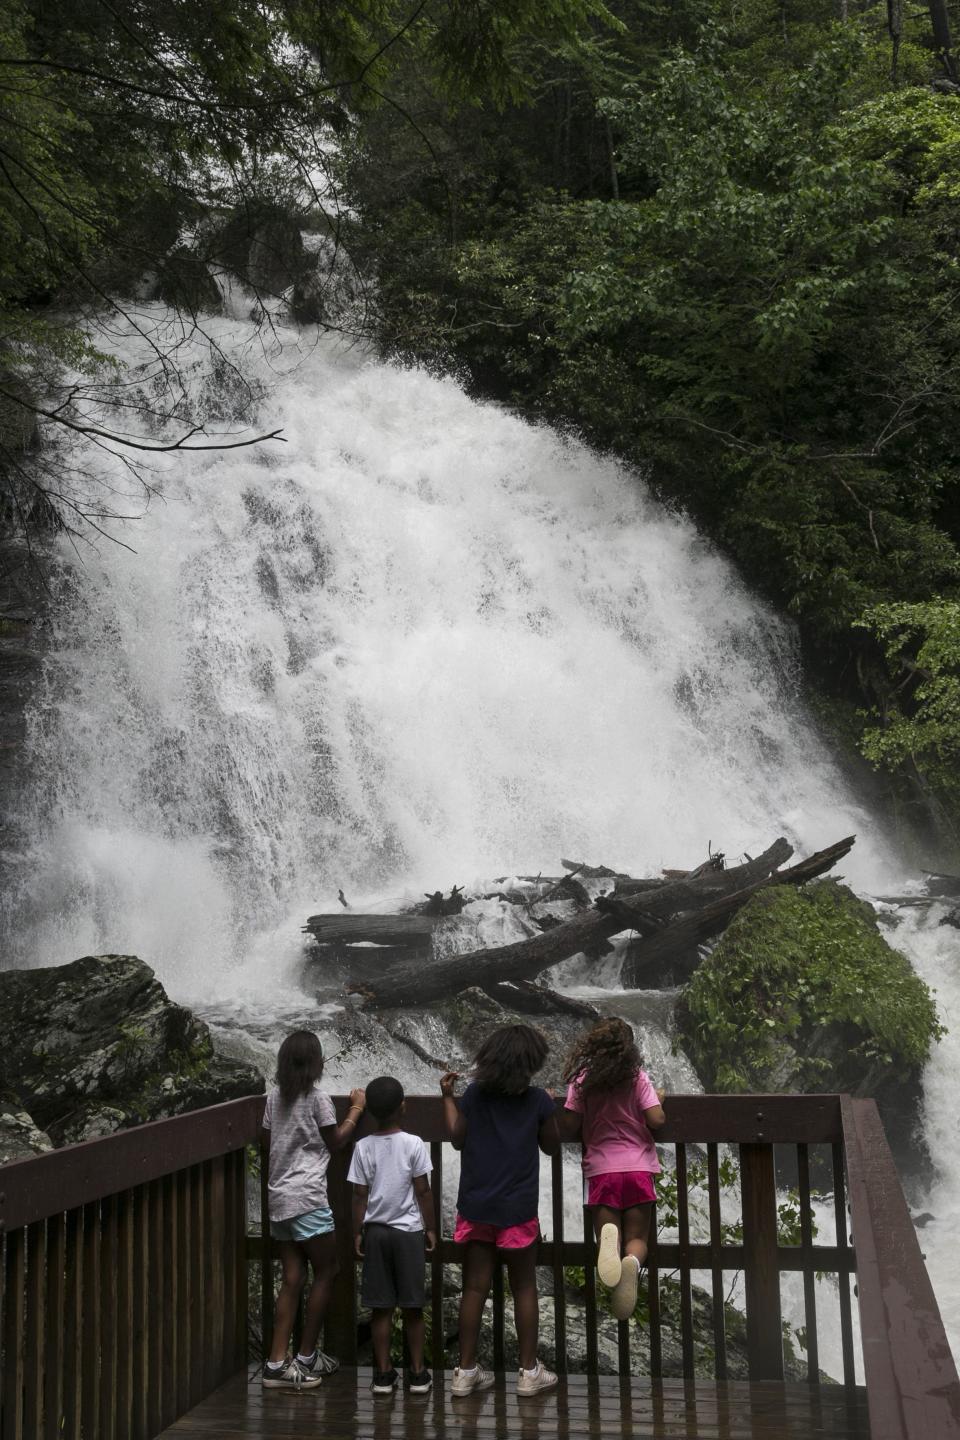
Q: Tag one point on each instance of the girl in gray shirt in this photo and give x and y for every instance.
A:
(301, 1131)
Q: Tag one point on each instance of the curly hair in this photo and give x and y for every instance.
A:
(299, 1064)
(605, 1057)
(509, 1058)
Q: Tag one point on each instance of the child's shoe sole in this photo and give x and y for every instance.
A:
(623, 1299)
(282, 1382)
(608, 1256)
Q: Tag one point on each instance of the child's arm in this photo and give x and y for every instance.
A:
(421, 1188)
(454, 1117)
(655, 1116)
(360, 1195)
(335, 1137)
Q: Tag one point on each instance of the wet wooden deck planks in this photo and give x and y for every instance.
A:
(582, 1408)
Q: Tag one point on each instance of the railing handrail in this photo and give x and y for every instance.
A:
(913, 1390)
(75, 1175)
(94, 1169)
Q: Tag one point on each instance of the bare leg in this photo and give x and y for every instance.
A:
(288, 1298)
(414, 1329)
(521, 1268)
(321, 1251)
(636, 1231)
(603, 1215)
(477, 1274)
(380, 1335)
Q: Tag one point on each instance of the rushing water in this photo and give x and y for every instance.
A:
(419, 643)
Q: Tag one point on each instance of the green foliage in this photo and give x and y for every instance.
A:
(803, 992)
(125, 138)
(723, 244)
(921, 728)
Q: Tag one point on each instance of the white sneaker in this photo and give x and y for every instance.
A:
(465, 1384)
(608, 1256)
(531, 1382)
(623, 1297)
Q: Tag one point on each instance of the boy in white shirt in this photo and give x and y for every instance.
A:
(392, 1216)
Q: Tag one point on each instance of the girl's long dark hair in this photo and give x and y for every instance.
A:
(299, 1064)
(607, 1056)
(509, 1058)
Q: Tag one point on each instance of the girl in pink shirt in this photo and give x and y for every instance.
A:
(617, 1107)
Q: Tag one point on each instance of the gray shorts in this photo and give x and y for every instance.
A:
(393, 1268)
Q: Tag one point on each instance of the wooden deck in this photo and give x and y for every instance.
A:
(582, 1407)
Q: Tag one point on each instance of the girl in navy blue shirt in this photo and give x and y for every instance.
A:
(500, 1124)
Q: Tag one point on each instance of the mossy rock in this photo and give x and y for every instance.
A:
(95, 1045)
(803, 993)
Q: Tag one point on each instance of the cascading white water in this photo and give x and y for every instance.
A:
(420, 642)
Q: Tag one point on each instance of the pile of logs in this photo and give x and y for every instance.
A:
(940, 890)
(668, 917)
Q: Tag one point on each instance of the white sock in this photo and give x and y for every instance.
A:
(465, 1371)
(534, 1369)
(276, 1364)
(307, 1359)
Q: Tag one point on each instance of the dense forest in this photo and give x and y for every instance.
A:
(717, 239)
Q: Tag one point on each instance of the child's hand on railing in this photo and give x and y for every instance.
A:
(358, 1098)
(431, 1241)
(447, 1082)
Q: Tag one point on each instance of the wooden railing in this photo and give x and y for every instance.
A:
(126, 1263)
(124, 1277)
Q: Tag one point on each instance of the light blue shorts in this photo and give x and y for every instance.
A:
(303, 1227)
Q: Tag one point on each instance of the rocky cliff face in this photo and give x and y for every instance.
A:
(95, 1046)
(21, 626)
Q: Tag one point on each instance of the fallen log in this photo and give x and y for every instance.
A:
(938, 884)
(676, 941)
(534, 999)
(592, 872)
(352, 929)
(414, 983)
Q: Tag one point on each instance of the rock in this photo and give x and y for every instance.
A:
(94, 1046)
(183, 280)
(23, 596)
(803, 993)
(472, 1014)
(19, 1137)
(262, 245)
(307, 302)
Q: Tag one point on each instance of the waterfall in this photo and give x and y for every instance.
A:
(419, 642)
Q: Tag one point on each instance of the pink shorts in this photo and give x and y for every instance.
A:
(505, 1237)
(620, 1189)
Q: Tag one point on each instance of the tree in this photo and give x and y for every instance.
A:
(123, 128)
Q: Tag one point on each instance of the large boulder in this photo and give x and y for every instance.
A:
(95, 1046)
(803, 993)
(19, 1137)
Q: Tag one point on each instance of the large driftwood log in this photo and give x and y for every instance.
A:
(350, 929)
(414, 983)
(676, 941)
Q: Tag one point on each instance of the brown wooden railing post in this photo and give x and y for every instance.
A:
(266, 1257)
(340, 1324)
(760, 1264)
